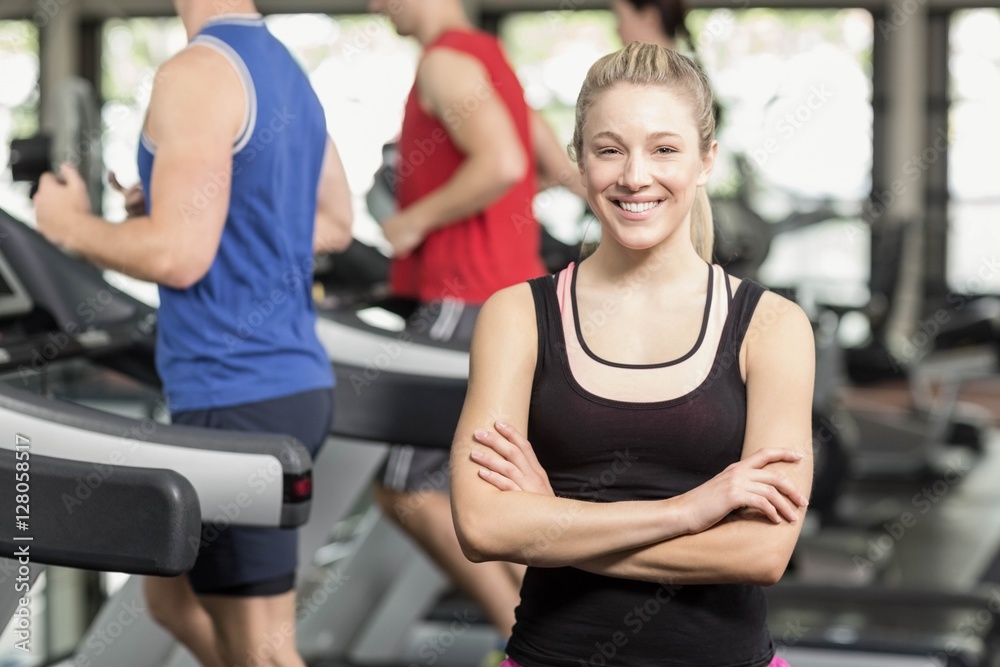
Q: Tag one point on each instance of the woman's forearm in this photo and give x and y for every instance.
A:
(548, 531)
(735, 551)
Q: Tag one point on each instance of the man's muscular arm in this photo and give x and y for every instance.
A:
(195, 112)
(456, 89)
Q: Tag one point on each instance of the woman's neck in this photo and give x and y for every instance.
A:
(672, 262)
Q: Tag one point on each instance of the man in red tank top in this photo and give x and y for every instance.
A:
(472, 154)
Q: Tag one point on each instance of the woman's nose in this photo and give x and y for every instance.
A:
(635, 173)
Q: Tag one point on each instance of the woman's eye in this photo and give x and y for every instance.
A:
(607, 151)
(665, 150)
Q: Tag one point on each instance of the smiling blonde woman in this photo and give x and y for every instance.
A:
(666, 406)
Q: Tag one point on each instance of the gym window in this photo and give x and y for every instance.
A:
(18, 106)
(973, 188)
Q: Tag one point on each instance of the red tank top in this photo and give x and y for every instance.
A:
(472, 258)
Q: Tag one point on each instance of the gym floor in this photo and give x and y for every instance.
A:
(937, 531)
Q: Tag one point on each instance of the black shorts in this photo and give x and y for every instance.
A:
(248, 561)
(419, 469)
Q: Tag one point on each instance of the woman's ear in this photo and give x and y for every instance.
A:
(708, 163)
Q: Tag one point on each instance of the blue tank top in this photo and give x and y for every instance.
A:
(246, 332)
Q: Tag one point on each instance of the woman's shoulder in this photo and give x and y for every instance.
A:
(506, 327)
(509, 311)
(511, 300)
(774, 318)
(778, 325)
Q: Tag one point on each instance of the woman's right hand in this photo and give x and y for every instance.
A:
(745, 484)
(512, 464)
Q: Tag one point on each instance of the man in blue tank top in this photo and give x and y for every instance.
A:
(242, 186)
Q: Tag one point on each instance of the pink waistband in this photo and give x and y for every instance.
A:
(777, 662)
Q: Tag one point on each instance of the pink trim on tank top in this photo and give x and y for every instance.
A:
(777, 662)
(562, 288)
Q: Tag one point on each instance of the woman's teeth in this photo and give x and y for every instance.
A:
(635, 207)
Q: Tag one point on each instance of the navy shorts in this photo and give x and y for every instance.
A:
(249, 561)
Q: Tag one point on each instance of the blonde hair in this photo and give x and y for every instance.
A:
(640, 64)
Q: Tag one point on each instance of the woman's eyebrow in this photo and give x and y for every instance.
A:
(607, 134)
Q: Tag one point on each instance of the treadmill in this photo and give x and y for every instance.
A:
(110, 492)
(70, 342)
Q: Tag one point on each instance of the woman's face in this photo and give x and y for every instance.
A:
(637, 25)
(641, 164)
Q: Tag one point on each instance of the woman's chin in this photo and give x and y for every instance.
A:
(635, 239)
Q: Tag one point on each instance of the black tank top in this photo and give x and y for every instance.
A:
(603, 449)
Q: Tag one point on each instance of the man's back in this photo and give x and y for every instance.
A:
(246, 331)
(493, 248)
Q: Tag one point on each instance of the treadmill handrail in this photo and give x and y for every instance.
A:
(239, 476)
(349, 341)
(74, 415)
(140, 521)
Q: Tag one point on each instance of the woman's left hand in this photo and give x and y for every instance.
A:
(509, 462)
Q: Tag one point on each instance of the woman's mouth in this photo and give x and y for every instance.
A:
(637, 209)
